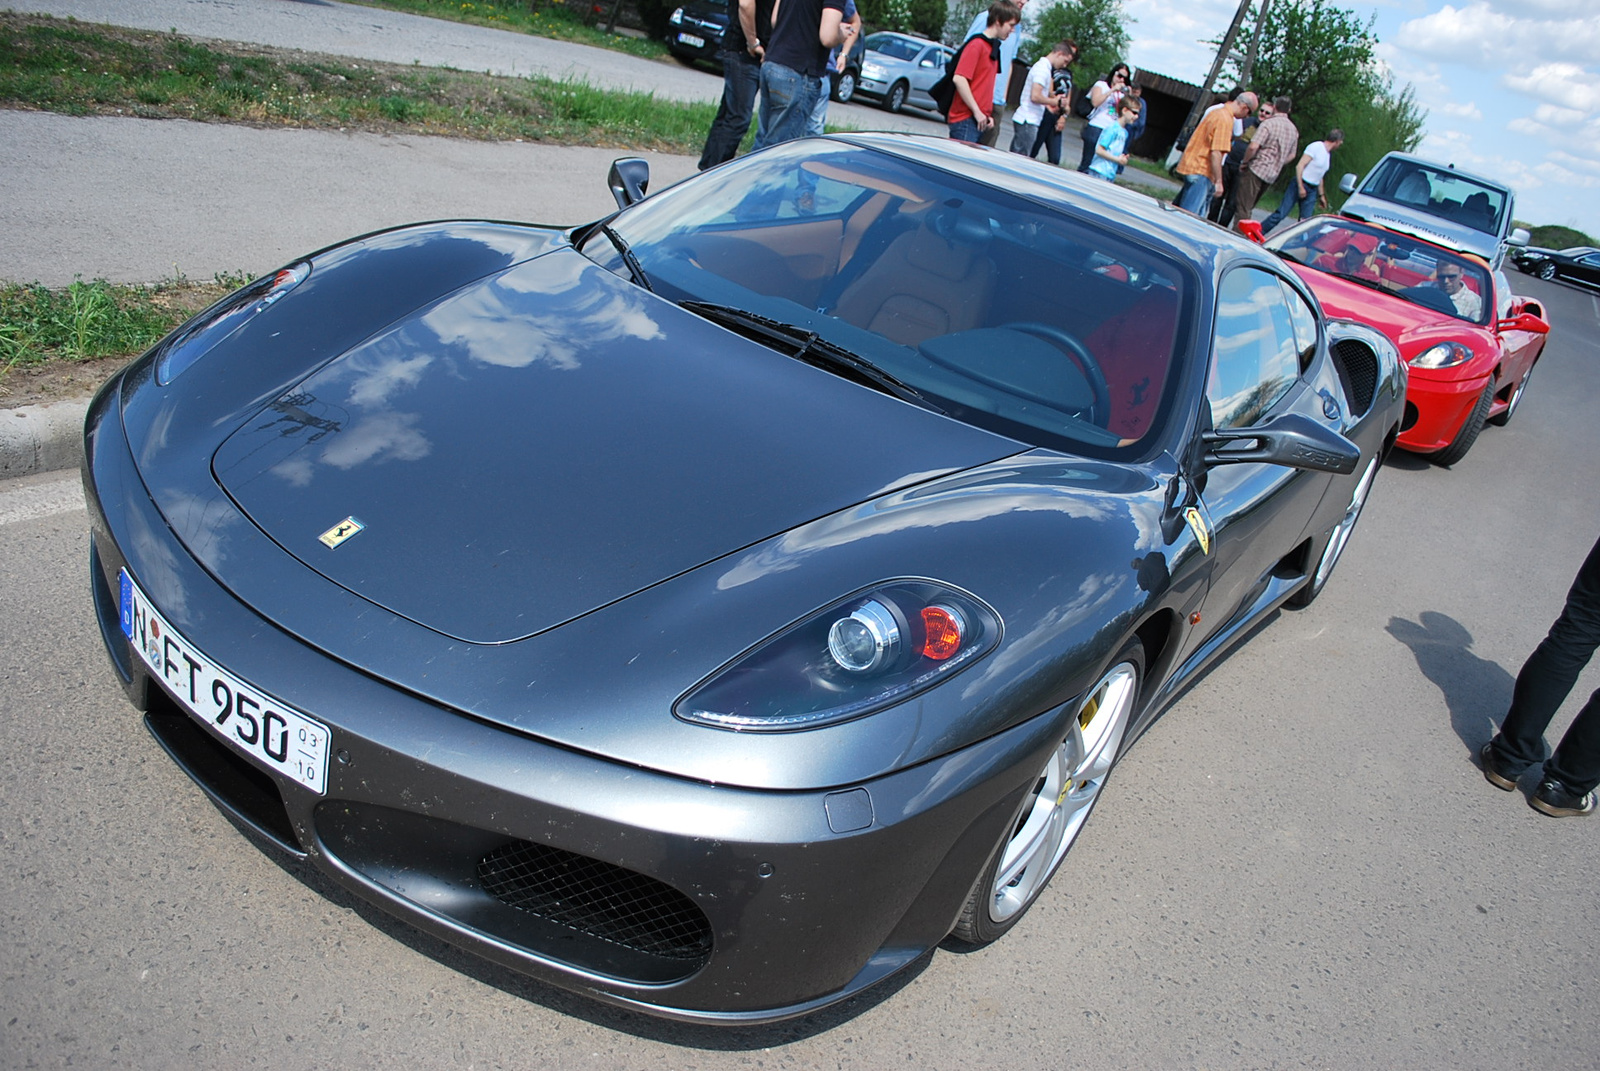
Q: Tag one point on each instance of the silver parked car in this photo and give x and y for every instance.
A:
(896, 70)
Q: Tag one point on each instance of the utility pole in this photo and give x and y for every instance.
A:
(1199, 107)
(1255, 40)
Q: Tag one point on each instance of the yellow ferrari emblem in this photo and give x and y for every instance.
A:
(1197, 525)
(340, 532)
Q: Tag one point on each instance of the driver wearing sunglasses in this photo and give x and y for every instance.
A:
(1468, 305)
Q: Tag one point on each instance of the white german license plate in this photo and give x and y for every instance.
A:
(278, 737)
(691, 40)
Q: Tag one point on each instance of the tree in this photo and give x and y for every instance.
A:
(1099, 26)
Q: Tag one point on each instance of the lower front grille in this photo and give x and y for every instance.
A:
(599, 899)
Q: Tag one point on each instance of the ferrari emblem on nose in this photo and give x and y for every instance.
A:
(340, 532)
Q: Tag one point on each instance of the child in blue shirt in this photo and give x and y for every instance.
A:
(1109, 156)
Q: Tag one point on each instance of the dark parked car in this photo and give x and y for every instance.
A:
(714, 607)
(695, 30)
(1579, 264)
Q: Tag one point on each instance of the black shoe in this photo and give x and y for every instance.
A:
(1496, 771)
(1556, 799)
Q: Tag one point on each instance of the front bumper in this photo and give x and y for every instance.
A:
(1440, 407)
(699, 902)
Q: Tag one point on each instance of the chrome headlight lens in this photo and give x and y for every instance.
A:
(200, 335)
(853, 658)
(1444, 355)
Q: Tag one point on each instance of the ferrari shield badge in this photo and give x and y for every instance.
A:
(350, 526)
(1197, 525)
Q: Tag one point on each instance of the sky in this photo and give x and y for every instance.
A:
(1511, 89)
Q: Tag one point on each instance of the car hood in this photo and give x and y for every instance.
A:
(1422, 225)
(552, 439)
(1409, 326)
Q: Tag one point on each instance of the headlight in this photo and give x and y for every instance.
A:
(676, 18)
(197, 337)
(1444, 355)
(872, 71)
(857, 656)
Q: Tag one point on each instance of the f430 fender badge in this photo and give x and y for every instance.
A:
(1197, 525)
(340, 532)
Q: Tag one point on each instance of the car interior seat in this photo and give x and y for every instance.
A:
(933, 280)
(1478, 212)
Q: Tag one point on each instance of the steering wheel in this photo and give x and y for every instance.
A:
(1100, 409)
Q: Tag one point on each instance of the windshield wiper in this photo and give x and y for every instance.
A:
(627, 257)
(813, 349)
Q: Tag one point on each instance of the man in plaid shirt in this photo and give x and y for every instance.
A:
(1273, 146)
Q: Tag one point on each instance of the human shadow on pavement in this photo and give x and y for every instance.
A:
(1476, 690)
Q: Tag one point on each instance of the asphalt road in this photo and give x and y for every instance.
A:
(1299, 866)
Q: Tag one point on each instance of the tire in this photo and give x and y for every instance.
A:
(895, 101)
(1469, 431)
(1502, 419)
(844, 87)
(1547, 270)
(1056, 807)
(1337, 539)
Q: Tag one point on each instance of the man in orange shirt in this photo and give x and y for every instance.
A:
(1201, 163)
(972, 111)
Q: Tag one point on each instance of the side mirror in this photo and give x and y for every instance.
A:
(629, 180)
(1519, 237)
(1348, 183)
(1293, 440)
(1251, 229)
(1524, 321)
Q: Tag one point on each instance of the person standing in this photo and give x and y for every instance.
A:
(1201, 163)
(1110, 153)
(1567, 783)
(1136, 128)
(1054, 122)
(1042, 102)
(1307, 188)
(977, 67)
(742, 46)
(1244, 131)
(1008, 54)
(1103, 98)
(803, 32)
(1271, 148)
(838, 59)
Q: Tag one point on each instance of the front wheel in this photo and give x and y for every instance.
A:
(1547, 270)
(1056, 806)
(1336, 540)
(1504, 418)
(845, 87)
(896, 100)
(1469, 431)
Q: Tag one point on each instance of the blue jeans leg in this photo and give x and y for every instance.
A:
(787, 97)
(1091, 138)
(965, 130)
(819, 111)
(741, 76)
(1048, 137)
(1196, 194)
(1305, 207)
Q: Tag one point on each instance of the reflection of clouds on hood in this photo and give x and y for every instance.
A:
(573, 314)
(377, 377)
(916, 509)
(296, 471)
(1015, 658)
(380, 437)
(202, 522)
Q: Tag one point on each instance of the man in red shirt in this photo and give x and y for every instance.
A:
(972, 111)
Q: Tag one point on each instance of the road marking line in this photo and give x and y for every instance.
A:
(39, 500)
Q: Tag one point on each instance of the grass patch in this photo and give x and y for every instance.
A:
(559, 19)
(61, 65)
(91, 320)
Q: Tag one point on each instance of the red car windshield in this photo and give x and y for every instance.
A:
(1419, 272)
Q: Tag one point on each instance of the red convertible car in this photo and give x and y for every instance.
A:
(1471, 345)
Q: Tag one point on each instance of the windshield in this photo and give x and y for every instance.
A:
(995, 309)
(887, 44)
(1438, 191)
(1420, 273)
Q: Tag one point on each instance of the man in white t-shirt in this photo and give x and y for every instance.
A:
(1037, 95)
(1307, 194)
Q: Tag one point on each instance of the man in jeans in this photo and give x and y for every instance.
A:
(803, 32)
(750, 25)
(977, 66)
(1200, 167)
(1306, 193)
(1567, 783)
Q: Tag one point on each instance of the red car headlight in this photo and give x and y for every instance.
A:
(859, 655)
(1444, 355)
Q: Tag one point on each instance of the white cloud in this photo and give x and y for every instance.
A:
(1566, 84)
(1479, 35)
(1461, 110)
